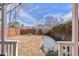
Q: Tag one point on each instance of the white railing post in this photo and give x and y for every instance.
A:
(59, 50)
(74, 22)
(3, 29)
(15, 49)
(75, 28)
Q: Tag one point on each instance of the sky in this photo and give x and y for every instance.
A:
(30, 12)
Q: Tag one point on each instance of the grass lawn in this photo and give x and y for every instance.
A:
(29, 45)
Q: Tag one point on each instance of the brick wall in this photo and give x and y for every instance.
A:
(13, 31)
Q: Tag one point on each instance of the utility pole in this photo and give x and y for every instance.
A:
(37, 19)
(36, 27)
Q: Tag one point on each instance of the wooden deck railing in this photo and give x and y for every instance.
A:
(11, 47)
(65, 48)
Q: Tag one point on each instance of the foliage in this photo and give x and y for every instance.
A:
(52, 53)
(62, 31)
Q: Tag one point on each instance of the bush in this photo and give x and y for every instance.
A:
(52, 53)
